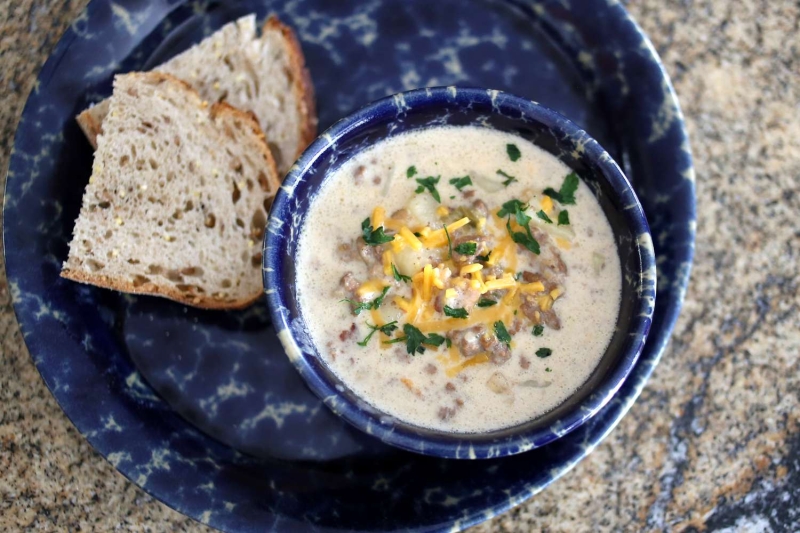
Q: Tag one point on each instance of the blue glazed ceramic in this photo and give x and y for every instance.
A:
(453, 106)
(202, 409)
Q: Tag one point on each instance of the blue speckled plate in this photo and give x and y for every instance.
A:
(202, 409)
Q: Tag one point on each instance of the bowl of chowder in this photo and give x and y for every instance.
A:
(459, 272)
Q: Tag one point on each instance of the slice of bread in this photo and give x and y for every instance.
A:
(265, 75)
(178, 198)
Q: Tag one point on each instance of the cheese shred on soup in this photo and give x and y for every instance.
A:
(458, 278)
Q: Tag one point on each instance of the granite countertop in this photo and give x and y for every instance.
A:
(714, 440)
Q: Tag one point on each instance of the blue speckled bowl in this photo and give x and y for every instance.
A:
(422, 108)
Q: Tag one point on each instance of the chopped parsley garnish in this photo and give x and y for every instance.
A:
(458, 312)
(374, 237)
(467, 248)
(544, 352)
(411, 172)
(541, 214)
(448, 342)
(538, 330)
(567, 193)
(452, 196)
(449, 243)
(525, 239)
(548, 369)
(398, 276)
(518, 276)
(486, 302)
(460, 183)
(563, 218)
(511, 207)
(414, 339)
(367, 306)
(513, 152)
(429, 183)
(434, 339)
(517, 208)
(386, 329)
(509, 178)
(483, 258)
(502, 333)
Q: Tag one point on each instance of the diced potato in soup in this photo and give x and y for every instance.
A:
(465, 280)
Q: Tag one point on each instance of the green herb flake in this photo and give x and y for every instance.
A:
(544, 352)
(538, 330)
(509, 178)
(386, 329)
(367, 306)
(448, 342)
(411, 172)
(548, 369)
(429, 183)
(414, 339)
(541, 214)
(513, 152)
(449, 243)
(458, 312)
(525, 239)
(563, 218)
(460, 183)
(511, 207)
(398, 276)
(502, 333)
(486, 302)
(453, 196)
(567, 193)
(374, 237)
(434, 339)
(466, 248)
(483, 258)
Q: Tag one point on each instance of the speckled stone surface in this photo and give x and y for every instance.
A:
(714, 440)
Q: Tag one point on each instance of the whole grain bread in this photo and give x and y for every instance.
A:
(178, 198)
(265, 75)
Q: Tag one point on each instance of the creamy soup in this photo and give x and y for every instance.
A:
(458, 278)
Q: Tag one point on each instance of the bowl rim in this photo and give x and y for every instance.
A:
(454, 445)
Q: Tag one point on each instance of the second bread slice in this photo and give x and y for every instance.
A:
(178, 198)
(263, 74)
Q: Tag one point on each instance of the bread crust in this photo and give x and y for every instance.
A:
(203, 301)
(151, 289)
(301, 83)
(90, 127)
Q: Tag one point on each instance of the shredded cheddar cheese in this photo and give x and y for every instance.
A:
(546, 203)
(412, 239)
(378, 217)
(536, 286)
(479, 359)
(370, 286)
(469, 269)
(387, 263)
(402, 303)
(502, 283)
(427, 281)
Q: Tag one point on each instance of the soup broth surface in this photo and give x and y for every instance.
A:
(467, 330)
